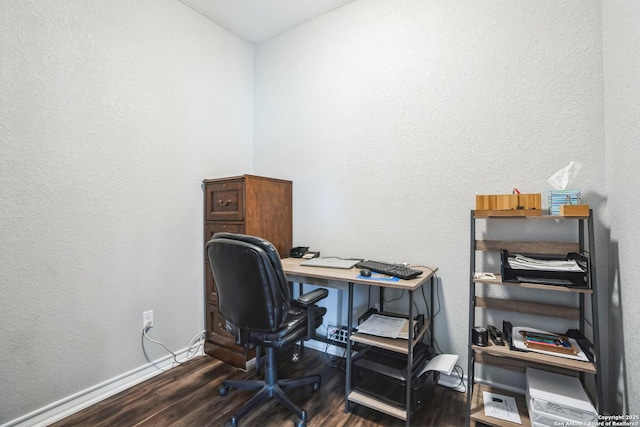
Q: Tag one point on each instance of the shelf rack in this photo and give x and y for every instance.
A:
(502, 356)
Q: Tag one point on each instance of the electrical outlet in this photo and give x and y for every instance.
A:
(335, 333)
(332, 332)
(147, 319)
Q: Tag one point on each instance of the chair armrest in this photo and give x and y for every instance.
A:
(312, 297)
(307, 301)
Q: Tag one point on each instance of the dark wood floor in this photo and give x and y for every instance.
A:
(188, 396)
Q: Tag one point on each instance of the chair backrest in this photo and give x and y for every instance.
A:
(252, 288)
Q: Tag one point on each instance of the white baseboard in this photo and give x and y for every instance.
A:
(92, 395)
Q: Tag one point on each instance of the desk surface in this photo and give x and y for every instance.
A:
(339, 277)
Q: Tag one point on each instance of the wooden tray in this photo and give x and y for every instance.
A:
(546, 342)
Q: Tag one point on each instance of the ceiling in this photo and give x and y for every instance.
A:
(255, 21)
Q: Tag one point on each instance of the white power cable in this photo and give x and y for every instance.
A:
(198, 338)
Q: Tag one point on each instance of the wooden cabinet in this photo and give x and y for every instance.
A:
(534, 300)
(245, 204)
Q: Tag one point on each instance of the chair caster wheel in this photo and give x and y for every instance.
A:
(301, 422)
(315, 386)
(223, 390)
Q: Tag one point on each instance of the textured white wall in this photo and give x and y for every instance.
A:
(111, 114)
(622, 118)
(387, 117)
(390, 116)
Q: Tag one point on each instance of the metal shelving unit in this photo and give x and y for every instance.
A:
(502, 356)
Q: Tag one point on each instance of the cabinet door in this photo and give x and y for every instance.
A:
(216, 329)
(224, 201)
(212, 228)
(211, 292)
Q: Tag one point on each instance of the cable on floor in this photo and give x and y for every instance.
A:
(197, 341)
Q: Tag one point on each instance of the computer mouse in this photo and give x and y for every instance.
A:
(365, 272)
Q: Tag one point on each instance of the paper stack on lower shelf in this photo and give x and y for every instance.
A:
(554, 399)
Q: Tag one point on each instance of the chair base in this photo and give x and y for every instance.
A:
(270, 388)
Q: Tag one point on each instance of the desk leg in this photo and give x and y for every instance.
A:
(301, 292)
(347, 382)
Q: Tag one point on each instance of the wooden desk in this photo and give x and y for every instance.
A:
(344, 280)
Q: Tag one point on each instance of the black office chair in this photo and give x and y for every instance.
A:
(255, 299)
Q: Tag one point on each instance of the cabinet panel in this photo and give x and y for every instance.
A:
(212, 228)
(211, 292)
(216, 328)
(224, 201)
(266, 212)
(220, 344)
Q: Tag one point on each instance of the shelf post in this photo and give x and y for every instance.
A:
(472, 309)
(594, 310)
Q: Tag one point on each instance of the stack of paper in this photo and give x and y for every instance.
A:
(521, 262)
(554, 399)
(385, 326)
(443, 363)
(500, 406)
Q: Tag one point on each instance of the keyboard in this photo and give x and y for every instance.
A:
(397, 270)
